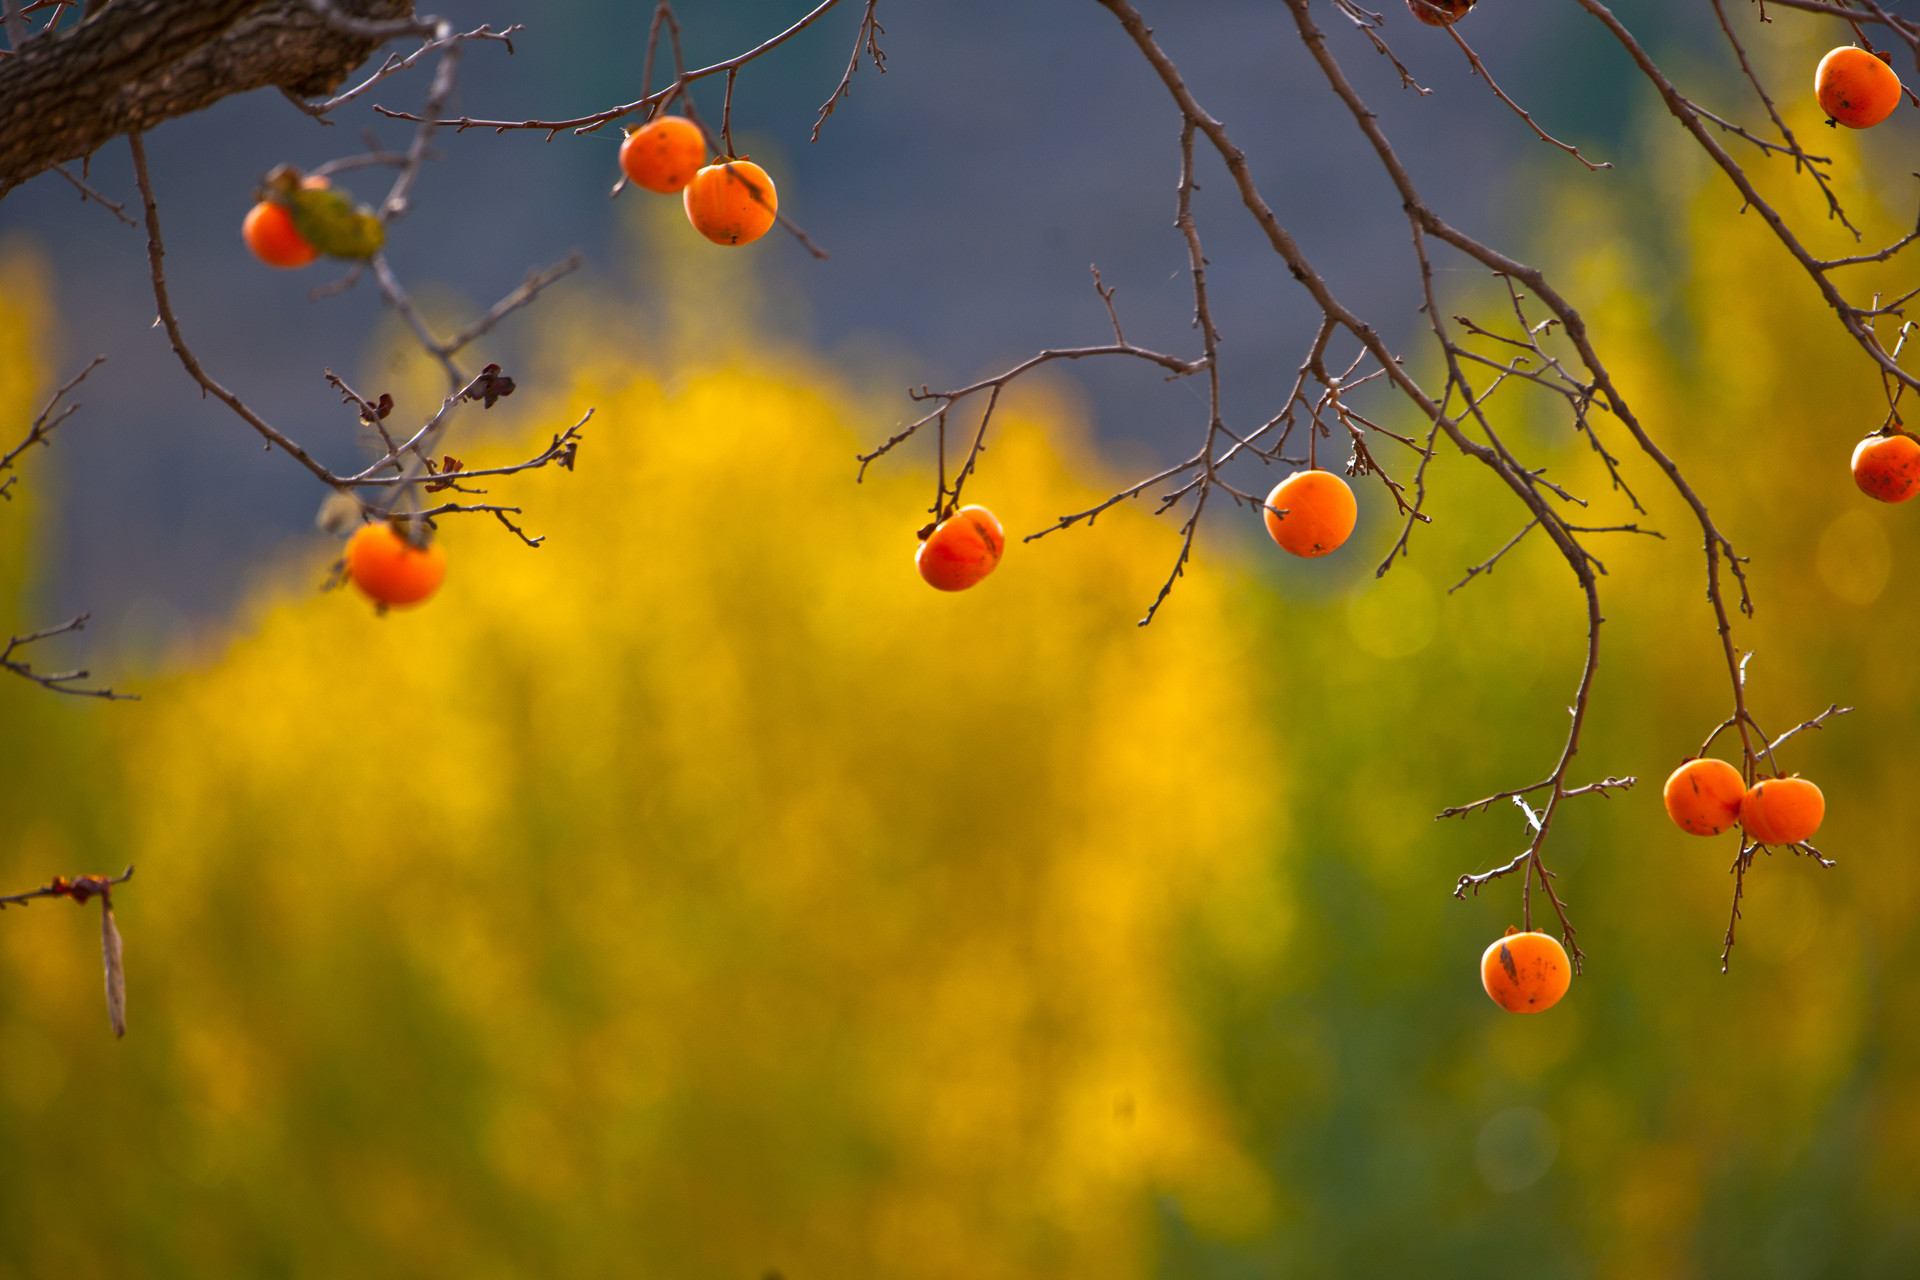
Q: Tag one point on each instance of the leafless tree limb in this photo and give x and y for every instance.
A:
(60, 681)
(49, 421)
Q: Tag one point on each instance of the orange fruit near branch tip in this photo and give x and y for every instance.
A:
(664, 154)
(961, 550)
(1439, 13)
(731, 201)
(1311, 513)
(1782, 810)
(1856, 88)
(1525, 972)
(1887, 467)
(390, 570)
(1703, 796)
(269, 231)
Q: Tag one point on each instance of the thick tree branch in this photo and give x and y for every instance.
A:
(144, 61)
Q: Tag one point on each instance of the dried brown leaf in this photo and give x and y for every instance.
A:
(116, 969)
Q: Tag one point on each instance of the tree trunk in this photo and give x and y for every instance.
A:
(140, 62)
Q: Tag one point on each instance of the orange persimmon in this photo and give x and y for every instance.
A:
(731, 201)
(961, 550)
(1439, 13)
(1856, 88)
(1782, 810)
(391, 570)
(663, 155)
(1311, 513)
(1703, 796)
(270, 233)
(1525, 972)
(1887, 467)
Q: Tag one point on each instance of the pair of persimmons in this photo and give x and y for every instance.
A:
(1705, 796)
(1310, 513)
(729, 201)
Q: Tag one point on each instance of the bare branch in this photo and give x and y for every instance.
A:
(46, 424)
(60, 681)
(867, 41)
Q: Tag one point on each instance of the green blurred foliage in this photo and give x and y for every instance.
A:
(701, 896)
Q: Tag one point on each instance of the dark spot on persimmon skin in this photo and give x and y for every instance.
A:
(982, 532)
(1506, 962)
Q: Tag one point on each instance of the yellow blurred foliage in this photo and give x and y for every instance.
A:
(701, 889)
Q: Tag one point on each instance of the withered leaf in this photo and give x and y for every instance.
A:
(116, 968)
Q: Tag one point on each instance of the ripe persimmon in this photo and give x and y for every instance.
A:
(1311, 512)
(1703, 796)
(1887, 467)
(663, 155)
(1782, 810)
(270, 233)
(731, 201)
(272, 226)
(391, 570)
(1855, 87)
(1439, 13)
(1525, 972)
(961, 550)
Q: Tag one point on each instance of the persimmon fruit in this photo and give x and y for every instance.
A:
(269, 231)
(1311, 513)
(961, 550)
(731, 201)
(1856, 88)
(1887, 467)
(1703, 796)
(1526, 972)
(1439, 13)
(389, 569)
(1782, 810)
(663, 155)
(272, 229)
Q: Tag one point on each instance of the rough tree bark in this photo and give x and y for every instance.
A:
(139, 62)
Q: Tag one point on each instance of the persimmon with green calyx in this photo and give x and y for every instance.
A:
(389, 569)
(1439, 13)
(1311, 513)
(1856, 88)
(731, 201)
(1526, 972)
(269, 228)
(325, 216)
(1887, 467)
(664, 154)
(1703, 796)
(961, 550)
(1782, 810)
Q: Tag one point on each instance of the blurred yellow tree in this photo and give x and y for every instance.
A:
(699, 895)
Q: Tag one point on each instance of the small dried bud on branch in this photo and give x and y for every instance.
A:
(491, 385)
